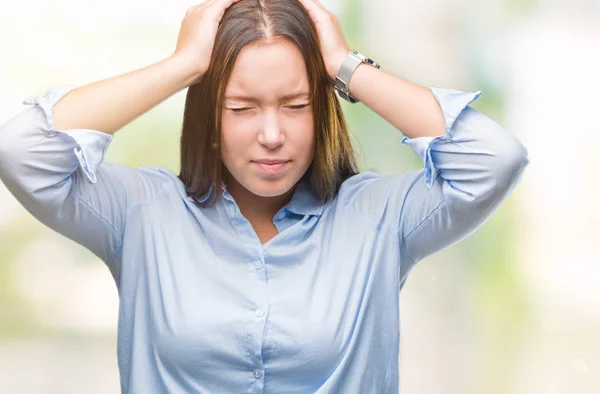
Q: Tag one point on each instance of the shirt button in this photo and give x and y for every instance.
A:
(259, 312)
(257, 264)
(281, 215)
(257, 373)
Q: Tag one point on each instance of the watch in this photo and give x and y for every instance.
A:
(350, 64)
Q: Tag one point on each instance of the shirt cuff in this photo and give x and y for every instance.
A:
(90, 146)
(452, 102)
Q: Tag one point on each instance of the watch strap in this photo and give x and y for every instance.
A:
(342, 80)
(349, 66)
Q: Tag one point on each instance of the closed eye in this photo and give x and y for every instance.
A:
(291, 106)
(298, 106)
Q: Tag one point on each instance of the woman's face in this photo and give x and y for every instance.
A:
(267, 115)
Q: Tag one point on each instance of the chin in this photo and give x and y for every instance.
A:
(266, 187)
(270, 189)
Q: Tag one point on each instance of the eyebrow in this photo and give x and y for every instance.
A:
(255, 100)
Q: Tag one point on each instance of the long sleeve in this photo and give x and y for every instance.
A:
(62, 179)
(467, 175)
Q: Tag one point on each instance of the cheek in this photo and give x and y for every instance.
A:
(227, 144)
(235, 137)
(305, 144)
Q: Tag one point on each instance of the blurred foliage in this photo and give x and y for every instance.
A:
(152, 140)
(17, 314)
(521, 6)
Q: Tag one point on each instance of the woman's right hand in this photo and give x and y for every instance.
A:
(197, 34)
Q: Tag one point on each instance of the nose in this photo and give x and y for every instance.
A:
(271, 134)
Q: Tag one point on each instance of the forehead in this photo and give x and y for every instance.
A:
(267, 71)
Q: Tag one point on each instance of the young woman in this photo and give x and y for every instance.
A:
(270, 264)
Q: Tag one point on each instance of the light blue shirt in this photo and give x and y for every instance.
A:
(206, 308)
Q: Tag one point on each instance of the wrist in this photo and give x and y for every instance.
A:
(189, 67)
(334, 67)
(352, 62)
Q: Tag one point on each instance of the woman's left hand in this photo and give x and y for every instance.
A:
(334, 47)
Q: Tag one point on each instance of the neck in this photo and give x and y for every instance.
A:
(253, 207)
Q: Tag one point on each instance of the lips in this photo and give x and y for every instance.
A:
(271, 168)
(267, 161)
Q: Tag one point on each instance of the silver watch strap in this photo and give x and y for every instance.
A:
(342, 81)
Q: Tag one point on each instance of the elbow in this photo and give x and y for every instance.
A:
(10, 147)
(5, 140)
(513, 160)
(507, 170)
(495, 165)
(16, 135)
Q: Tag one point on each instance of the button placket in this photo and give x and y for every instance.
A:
(255, 262)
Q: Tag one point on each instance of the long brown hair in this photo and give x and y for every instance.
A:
(244, 22)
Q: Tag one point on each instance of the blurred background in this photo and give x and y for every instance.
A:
(513, 309)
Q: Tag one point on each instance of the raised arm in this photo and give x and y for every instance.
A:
(59, 174)
(468, 173)
(111, 104)
(471, 162)
(52, 155)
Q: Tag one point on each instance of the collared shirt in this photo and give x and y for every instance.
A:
(205, 307)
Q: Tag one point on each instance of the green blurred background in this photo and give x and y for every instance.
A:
(513, 309)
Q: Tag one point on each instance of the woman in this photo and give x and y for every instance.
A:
(239, 275)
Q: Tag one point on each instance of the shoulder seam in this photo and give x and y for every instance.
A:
(81, 200)
(115, 253)
(424, 219)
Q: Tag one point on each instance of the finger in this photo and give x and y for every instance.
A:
(198, 6)
(319, 4)
(314, 3)
(203, 3)
(218, 8)
(311, 2)
(221, 4)
(315, 9)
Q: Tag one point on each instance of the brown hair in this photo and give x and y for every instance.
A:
(244, 22)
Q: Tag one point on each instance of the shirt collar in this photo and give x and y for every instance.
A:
(303, 201)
